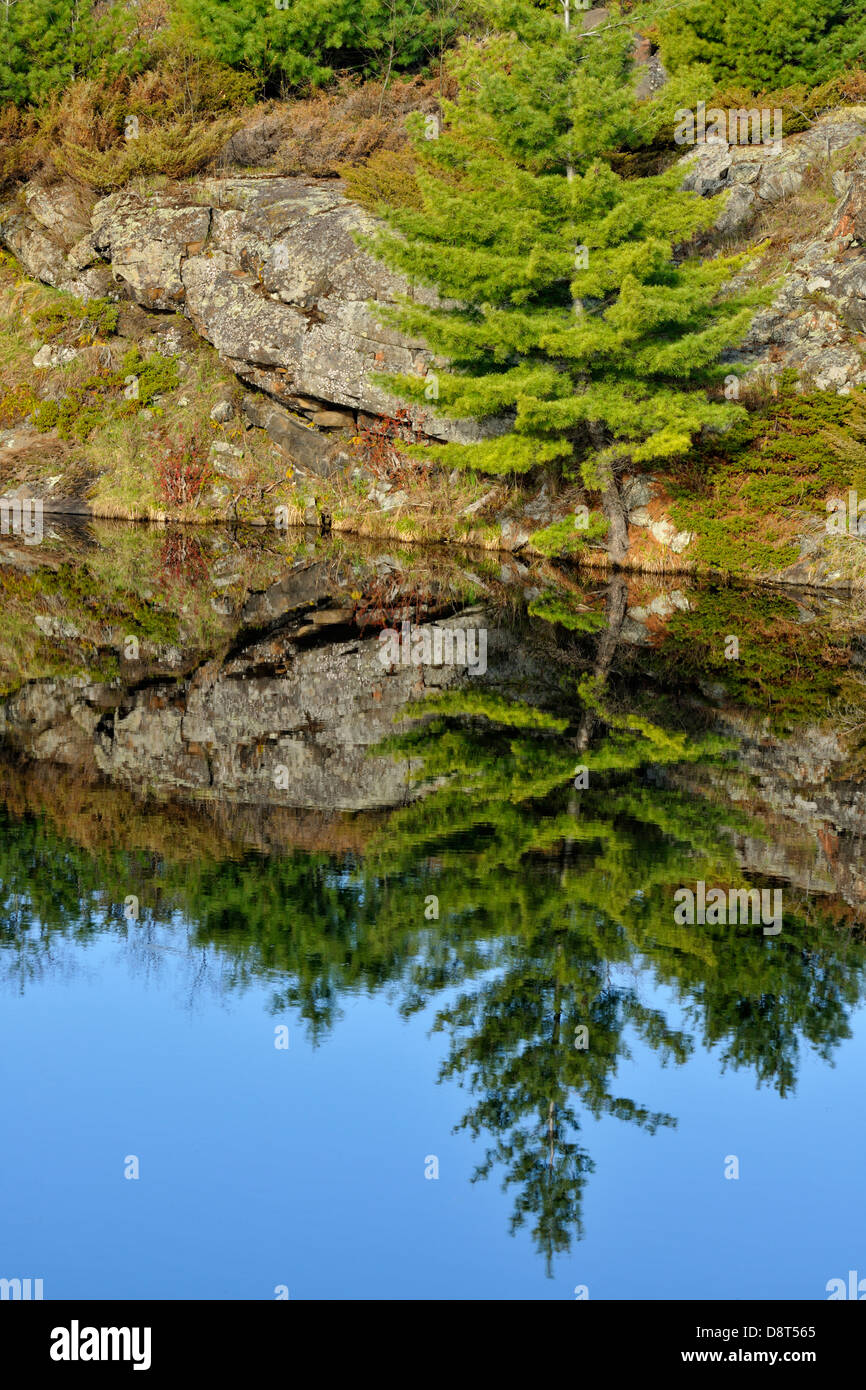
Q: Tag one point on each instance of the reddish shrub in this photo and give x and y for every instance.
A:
(183, 465)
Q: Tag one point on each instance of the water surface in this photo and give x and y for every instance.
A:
(374, 973)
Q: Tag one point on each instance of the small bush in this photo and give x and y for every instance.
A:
(387, 177)
(104, 395)
(343, 128)
(175, 150)
(17, 404)
(155, 374)
(77, 323)
(46, 417)
(183, 465)
(566, 611)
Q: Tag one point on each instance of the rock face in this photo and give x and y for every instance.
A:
(816, 321)
(309, 448)
(49, 231)
(815, 324)
(267, 270)
(757, 175)
(278, 724)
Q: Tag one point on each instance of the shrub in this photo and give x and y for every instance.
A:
(387, 177)
(77, 323)
(175, 150)
(301, 43)
(183, 465)
(764, 43)
(16, 404)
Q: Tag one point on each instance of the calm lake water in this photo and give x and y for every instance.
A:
(335, 975)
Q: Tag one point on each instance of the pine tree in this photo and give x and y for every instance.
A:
(765, 44)
(300, 42)
(44, 43)
(567, 308)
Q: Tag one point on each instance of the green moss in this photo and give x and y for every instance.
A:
(566, 537)
(565, 609)
(790, 671)
(746, 496)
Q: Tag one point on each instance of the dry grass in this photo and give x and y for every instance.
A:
(347, 126)
(174, 151)
(186, 108)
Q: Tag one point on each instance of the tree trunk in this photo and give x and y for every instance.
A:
(611, 501)
(617, 598)
(615, 513)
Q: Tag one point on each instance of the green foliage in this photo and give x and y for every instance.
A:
(155, 374)
(85, 593)
(17, 403)
(43, 44)
(745, 495)
(848, 444)
(300, 43)
(789, 671)
(76, 322)
(566, 538)
(496, 709)
(100, 396)
(597, 364)
(567, 611)
(763, 43)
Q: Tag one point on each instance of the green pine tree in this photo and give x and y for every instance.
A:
(568, 309)
(765, 44)
(44, 44)
(299, 43)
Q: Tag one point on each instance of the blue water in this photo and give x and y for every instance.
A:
(304, 1167)
(433, 935)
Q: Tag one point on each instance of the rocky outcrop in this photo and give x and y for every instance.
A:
(267, 269)
(280, 723)
(815, 323)
(48, 229)
(757, 175)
